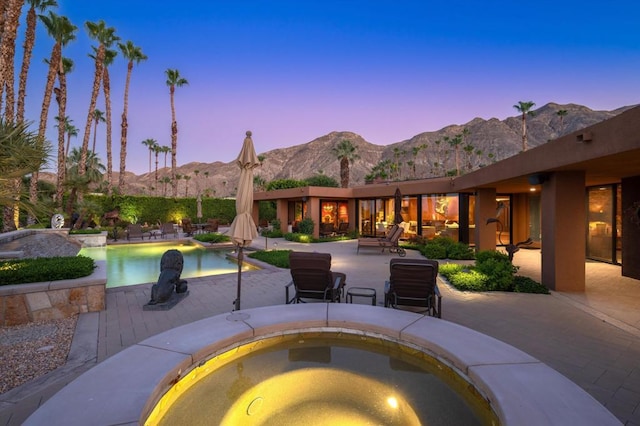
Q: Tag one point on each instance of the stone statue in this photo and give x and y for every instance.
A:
(170, 269)
(57, 221)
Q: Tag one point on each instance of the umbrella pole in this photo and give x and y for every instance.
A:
(240, 256)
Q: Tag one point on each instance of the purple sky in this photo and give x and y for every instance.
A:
(292, 71)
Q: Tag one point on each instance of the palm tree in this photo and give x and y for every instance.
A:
(70, 130)
(345, 151)
(165, 150)
(21, 153)
(62, 31)
(165, 180)
(98, 117)
(150, 143)
(525, 109)
(109, 56)
(80, 182)
(186, 178)
(61, 99)
(562, 113)
(174, 80)
(132, 54)
(157, 149)
(8, 53)
(29, 42)
(105, 37)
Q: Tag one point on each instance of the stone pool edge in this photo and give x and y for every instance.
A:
(124, 388)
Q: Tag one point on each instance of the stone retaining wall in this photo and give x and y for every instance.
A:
(23, 303)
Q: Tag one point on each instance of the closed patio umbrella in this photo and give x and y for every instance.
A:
(397, 207)
(243, 228)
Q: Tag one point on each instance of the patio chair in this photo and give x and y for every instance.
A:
(326, 228)
(389, 242)
(212, 225)
(167, 229)
(312, 278)
(134, 230)
(187, 227)
(413, 283)
(343, 228)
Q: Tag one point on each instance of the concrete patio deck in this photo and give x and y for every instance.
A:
(593, 338)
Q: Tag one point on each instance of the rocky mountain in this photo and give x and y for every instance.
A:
(427, 154)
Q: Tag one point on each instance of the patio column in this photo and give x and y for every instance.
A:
(282, 213)
(313, 212)
(485, 235)
(563, 231)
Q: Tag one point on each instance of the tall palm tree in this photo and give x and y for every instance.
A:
(29, 41)
(186, 178)
(62, 31)
(525, 109)
(132, 54)
(346, 153)
(61, 98)
(8, 53)
(105, 37)
(70, 130)
(98, 117)
(562, 114)
(174, 80)
(109, 56)
(165, 150)
(149, 143)
(79, 182)
(455, 143)
(157, 149)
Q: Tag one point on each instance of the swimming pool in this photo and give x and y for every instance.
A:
(129, 264)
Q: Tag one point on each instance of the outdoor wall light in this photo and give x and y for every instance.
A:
(584, 137)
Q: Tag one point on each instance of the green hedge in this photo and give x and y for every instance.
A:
(279, 258)
(23, 271)
(212, 237)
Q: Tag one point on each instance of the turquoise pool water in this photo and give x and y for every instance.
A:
(129, 264)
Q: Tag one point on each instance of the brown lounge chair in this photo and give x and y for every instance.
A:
(167, 229)
(187, 227)
(413, 283)
(389, 242)
(312, 278)
(212, 225)
(135, 231)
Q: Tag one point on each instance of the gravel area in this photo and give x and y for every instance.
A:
(42, 245)
(31, 350)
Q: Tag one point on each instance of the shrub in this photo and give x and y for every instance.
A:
(306, 226)
(434, 251)
(87, 231)
(279, 258)
(45, 269)
(460, 251)
(469, 280)
(448, 269)
(497, 267)
(298, 237)
(212, 238)
(527, 285)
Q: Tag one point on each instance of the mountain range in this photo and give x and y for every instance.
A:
(427, 154)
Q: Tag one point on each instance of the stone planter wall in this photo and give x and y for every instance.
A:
(90, 240)
(23, 303)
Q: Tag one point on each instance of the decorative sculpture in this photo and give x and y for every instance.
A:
(57, 221)
(170, 269)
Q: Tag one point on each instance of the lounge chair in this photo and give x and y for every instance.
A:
(312, 278)
(167, 229)
(413, 283)
(212, 225)
(389, 242)
(343, 228)
(187, 227)
(327, 228)
(135, 231)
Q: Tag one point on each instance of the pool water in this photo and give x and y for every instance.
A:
(129, 264)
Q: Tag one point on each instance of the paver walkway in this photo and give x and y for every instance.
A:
(593, 338)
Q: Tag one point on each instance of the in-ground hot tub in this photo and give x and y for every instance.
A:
(126, 388)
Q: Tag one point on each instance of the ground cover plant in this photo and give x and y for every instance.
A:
(492, 272)
(440, 248)
(22, 271)
(212, 237)
(279, 258)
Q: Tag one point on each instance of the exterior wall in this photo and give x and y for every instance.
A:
(313, 212)
(282, 213)
(563, 231)
(485, 234)
(520, 218)
(631, 227)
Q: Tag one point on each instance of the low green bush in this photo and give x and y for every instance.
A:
(212, 237)
(306, 226)
(87, 231)
(433, 251)
(23, 271)
(497, 267)
(527, 285)
(279, 258)
(448, 269)
(299, 237)
(471, 280)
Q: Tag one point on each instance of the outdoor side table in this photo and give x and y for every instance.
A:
(361, 292)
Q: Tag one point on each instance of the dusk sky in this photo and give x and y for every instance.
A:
(292, 71)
